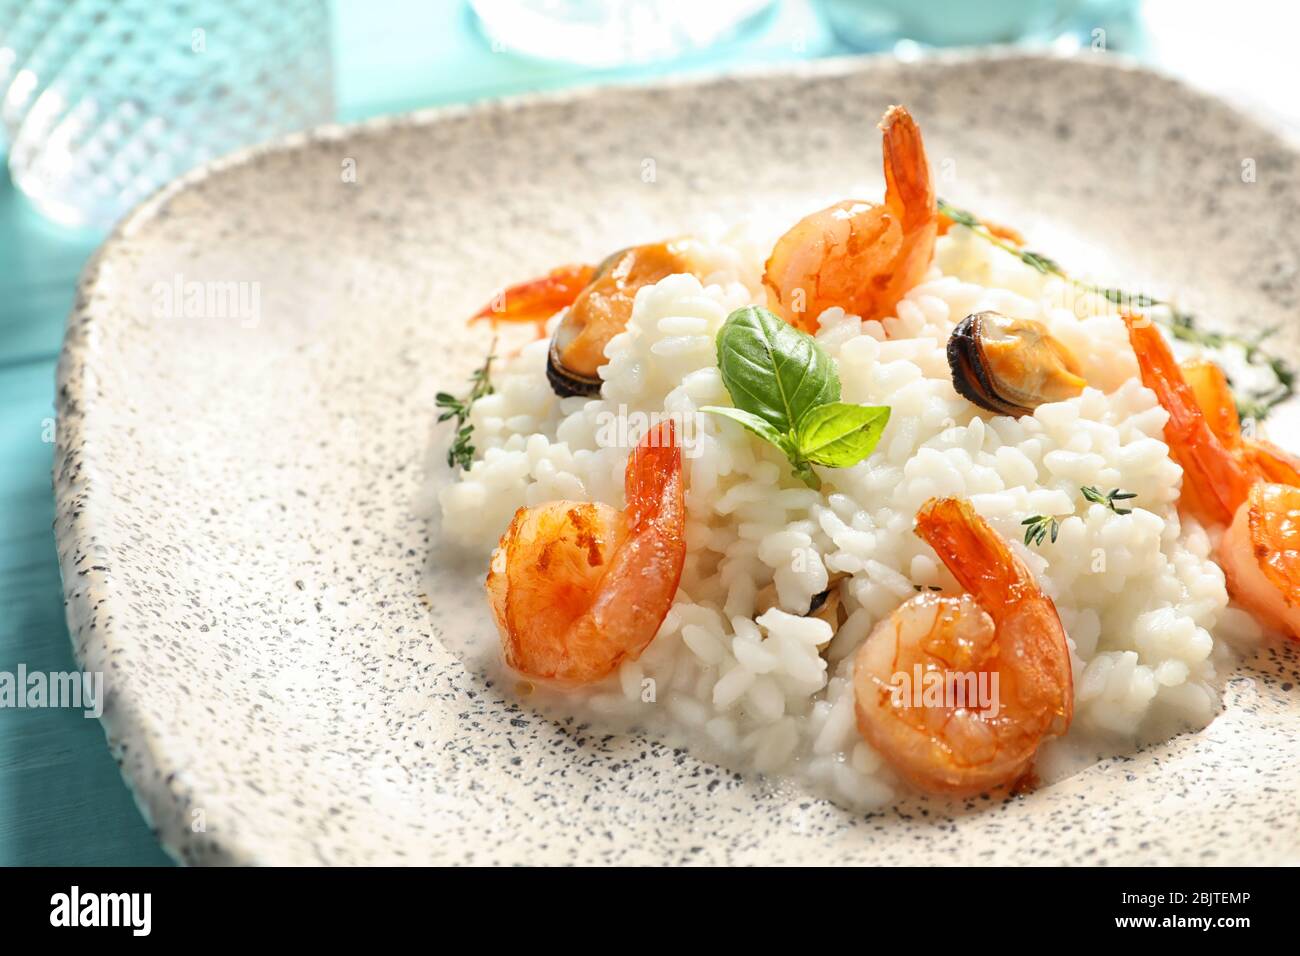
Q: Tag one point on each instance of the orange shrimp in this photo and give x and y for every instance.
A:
(861, 255)
(1004, 634)
(1214, 398)
(537, 299)
(1260, 554)
(1215, 481)
(576, 588)
(1246, 483)
(1272, 463)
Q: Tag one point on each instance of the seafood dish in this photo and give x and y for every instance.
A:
(877, 504)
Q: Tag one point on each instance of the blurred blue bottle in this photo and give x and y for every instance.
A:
(613, 33)
(103, 101)
(887, 24)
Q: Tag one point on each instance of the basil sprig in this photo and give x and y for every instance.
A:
(786, 391)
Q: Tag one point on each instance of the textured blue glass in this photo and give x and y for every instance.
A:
(105, 100)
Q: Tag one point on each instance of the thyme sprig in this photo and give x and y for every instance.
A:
(1182, 325)
(1097, 496)
(461, 451)
(1038, 527)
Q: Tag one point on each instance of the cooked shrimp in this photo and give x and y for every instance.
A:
(537, 299)
(576, 587)
(1214, 398)
(1260, 554)
(1215, 481)
(856, 254)
(1004, 628)
(1246, 483)
(1272, 463)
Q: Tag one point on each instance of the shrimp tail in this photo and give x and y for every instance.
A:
(985, 566)
(537, 299)
(1272, 463)
(909, 193)
(1218, 480)
(655, 546)
(978, 557)
(653, 481)
(1213, 396)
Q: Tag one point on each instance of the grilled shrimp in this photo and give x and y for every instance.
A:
(1260, 554)
(1214, 398)
(860, 255)
(537, 299)
(1273, 463)
(1215, 480)
(1004, 634)
(1248, 484)
(578, 587)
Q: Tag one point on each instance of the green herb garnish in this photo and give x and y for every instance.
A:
(960, 216)
(1038, 527)
(838, 434)
(786, 391)
(1034, 260)
(1182, 325)
(461, 451)
(1109, 498)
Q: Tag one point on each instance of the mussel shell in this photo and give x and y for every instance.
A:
(566, 383)
(969, 375)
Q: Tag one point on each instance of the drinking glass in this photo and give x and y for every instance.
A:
(102, 101)
(612, 33)
(884, 24)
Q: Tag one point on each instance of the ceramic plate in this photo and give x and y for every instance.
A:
(236, 476)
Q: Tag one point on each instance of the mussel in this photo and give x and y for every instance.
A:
(825, 605)
(1010, 366)
(567, 382)
(602, 310)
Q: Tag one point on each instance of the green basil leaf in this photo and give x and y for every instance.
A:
(773, 370)
(786, 443)
(757, 425)
(839, 435)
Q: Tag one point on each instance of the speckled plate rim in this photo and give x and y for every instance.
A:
(92, 606)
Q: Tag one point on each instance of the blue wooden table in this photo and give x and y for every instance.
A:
(62, 800)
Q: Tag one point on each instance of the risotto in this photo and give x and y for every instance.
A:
(811, 578)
